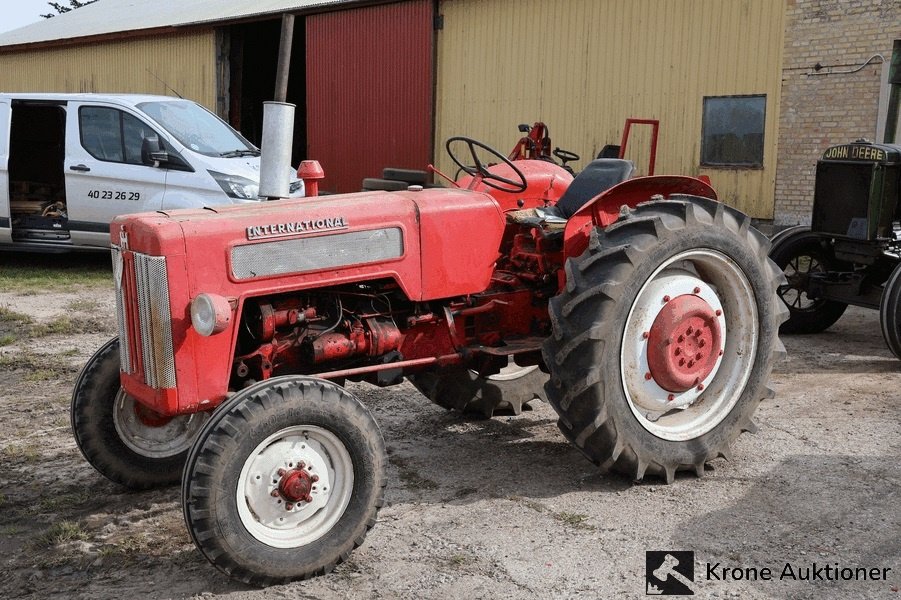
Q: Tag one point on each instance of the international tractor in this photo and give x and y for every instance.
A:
(644, 309)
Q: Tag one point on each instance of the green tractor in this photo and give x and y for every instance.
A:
(851, 252)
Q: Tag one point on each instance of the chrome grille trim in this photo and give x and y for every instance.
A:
(152, 291)
(314, 253)
(124, 342)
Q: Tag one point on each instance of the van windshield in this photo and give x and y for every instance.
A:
(198, 129)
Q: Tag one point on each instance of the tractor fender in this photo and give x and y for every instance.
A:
(787, 232)
(604, 209)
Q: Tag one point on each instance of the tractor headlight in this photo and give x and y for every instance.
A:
(236, 186)
(210, 314)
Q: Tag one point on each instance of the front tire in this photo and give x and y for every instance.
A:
(284, 481)
(799, 254)
(126, 442)
(681, 280)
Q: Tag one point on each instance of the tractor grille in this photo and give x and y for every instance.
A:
(142, 294)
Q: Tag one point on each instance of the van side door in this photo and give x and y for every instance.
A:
(105, 174)
(5, 124)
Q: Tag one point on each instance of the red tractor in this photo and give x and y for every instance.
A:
(651, 306)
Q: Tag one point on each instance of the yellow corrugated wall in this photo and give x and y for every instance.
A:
(584, 66)
(187, 63)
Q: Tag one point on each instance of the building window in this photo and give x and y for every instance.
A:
(732, 131)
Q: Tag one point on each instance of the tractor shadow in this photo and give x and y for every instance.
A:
(829, 509)
(854, 345)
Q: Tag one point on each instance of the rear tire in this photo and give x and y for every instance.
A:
(373, 184)
(464, 390)
(411, 176)
(890, 312)
(616, 291)
(126, 443)
(799, 254)
(284, 481)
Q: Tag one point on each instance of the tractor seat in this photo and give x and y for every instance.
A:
(601, 174)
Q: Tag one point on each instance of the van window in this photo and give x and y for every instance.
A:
(198, 129)
(112, 135)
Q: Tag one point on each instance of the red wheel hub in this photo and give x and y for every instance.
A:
(684, 343)
(296, 485)
(150, 417)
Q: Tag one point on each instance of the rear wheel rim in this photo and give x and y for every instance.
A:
(684, 415)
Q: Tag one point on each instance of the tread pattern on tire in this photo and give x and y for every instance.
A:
(222, 434)
(582, 317)
(462, 390)
(96, 437)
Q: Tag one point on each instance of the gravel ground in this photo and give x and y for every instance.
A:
(476, 509)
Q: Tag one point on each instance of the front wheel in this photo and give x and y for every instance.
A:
(664, 338)
(800, 254)
(126, 442)
(284, 481)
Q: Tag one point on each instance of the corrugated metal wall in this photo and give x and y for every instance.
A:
(584, 66)
(187, 63)
(369, 91)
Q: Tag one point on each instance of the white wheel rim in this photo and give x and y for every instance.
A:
(282, 524)
(685, 415)
(154, 441)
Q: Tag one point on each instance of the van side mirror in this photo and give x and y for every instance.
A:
(152, 151)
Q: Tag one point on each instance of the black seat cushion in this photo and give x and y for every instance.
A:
(600, 174)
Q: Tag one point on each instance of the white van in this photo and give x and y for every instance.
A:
(69, 163)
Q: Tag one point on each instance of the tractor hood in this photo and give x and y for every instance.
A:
(435, 243)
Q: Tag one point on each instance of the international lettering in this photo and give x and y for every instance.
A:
(272, 230)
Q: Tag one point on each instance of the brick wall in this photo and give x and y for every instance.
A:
(822, 110)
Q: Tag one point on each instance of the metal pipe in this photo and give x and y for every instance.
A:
(278, 131)
(284, 58)
(894, 98)
(416, 362)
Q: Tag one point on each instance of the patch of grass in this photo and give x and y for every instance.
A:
(83, 305)
(59, 533)
(460, 560)
(24, 452)
(6, 339)
(28, 274)
(7, 315)
(38, 367)
(61, 325)
(2, 500)
(11, 530)
(574, 520)
(56, 502)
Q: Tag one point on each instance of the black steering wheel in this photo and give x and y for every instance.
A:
(565, 155)
(481, 170)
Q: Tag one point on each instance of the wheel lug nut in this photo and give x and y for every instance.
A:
(314, 478)
(718, 312)
(701, 344)
(699, 356)
(721, 352)
(682, 362)
(308, 498)
(666, 298)
(671, 397)
(697, 290)
(645, 335)
(274, 493)
(301, 465)
(700, 386)
(648, 376)
(281, 472)
(689, 330)
(678, 351)
(289, 506)
(691, 363)
(681, 338)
